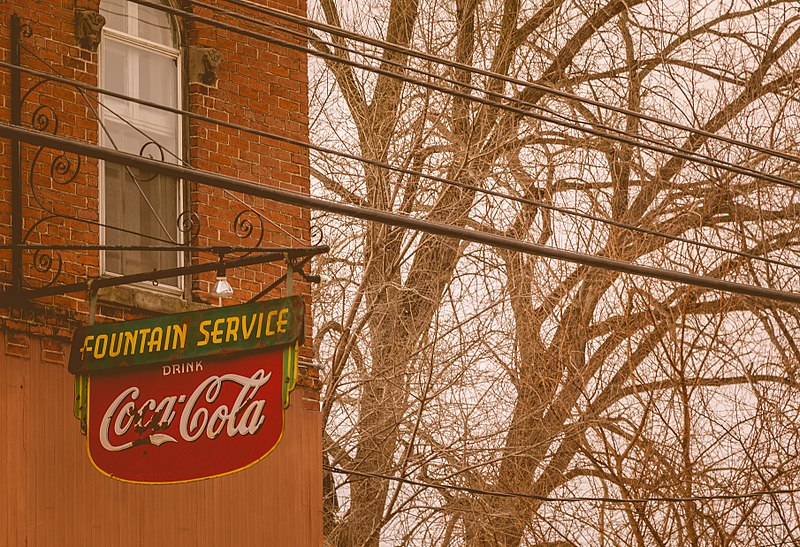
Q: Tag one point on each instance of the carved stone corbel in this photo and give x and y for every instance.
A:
(88, 27)
(203, 64)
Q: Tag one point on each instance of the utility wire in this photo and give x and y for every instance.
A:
(338, 31)
(732, 168)
(440, 179)
(687, 155)
(370, 214)
(496, 96)
(565, 499)
(405, 170)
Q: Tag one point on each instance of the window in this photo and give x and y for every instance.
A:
(139, 58)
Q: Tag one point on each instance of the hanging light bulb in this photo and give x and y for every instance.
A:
(222, 287)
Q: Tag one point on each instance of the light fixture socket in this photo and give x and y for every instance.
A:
(222, 287)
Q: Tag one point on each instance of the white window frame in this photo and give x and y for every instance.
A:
(175, 54)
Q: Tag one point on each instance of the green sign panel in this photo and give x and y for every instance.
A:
(159, 340)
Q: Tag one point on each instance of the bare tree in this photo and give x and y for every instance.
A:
(489, 372)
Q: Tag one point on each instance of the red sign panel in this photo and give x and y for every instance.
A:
(187, 420)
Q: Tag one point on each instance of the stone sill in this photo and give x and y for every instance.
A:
(148, 300)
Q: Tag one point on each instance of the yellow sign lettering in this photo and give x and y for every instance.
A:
(270, 330)
(100, 346)
(179, 336)
(87, 346)
(247, 330)
(144, 333)
(216, 334)
(203, 326)
(233, 329)
(283, 319)
(116, 344)
(130, 342)
(155, 340)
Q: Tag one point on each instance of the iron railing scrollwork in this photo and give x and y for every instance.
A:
(52, 175)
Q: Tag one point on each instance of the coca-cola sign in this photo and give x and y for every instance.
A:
(191, 419)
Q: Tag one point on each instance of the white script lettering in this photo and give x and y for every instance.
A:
(243, 417)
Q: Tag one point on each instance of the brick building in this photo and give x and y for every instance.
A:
(204, 90)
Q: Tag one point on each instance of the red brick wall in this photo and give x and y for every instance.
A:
(263, 87)
(53, 42)
(260, 86)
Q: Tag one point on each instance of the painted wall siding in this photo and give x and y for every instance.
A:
(51, 495)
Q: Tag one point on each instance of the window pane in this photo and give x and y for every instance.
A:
(115, 67)
(157, 81)
(140, 21)
(138, 139)
(115, 12)
(142, 206)
(139, 209)
(154, 25)
(140, 73)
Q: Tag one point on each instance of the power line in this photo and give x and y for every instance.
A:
(569, 499)
(696, 156)
(496, 95)
(389, 218)
(283, 43)
(687, 155)
(311, 23)
(728, 167)
(404, 170)
(663, 147)
(564, 499)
